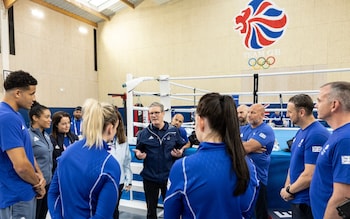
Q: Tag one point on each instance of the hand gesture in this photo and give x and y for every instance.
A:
(127, 188)
(177, 152)
(139, 154)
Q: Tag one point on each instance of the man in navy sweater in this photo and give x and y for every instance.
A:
(158, 146)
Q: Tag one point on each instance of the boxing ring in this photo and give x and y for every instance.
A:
(165, 94)
(166, 85)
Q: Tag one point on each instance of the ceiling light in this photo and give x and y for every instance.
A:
(83, 30)
(37, 13)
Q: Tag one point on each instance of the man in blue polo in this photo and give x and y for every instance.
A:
(177, 121)
(258, 139)
(21, 179)
(307, 143)
(242, 113)
(76, 123)
(330, 184)
(158, 146)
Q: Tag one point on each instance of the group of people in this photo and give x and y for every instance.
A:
(77, 171)
(225, 178)
(317, 181)
(219, 170)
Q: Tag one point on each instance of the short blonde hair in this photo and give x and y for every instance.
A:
(96, 117)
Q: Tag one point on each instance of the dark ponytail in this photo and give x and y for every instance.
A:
(36, 110)
(221, 112)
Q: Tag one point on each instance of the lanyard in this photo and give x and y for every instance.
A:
(75, 127)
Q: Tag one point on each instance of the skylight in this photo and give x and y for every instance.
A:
(98, 5)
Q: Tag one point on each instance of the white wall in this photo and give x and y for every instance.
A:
(56, 54)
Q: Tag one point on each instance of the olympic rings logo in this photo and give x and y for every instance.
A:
(261, 62)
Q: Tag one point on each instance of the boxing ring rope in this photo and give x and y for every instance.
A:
(189, 87)
(165, 95)
(307, 72)
(211, 77)
(264, 74)
(223, 93)
(339, 70)
(190, 110)
(137, 93)
(267, 93)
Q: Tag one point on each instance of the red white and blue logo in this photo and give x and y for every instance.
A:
(262, 23)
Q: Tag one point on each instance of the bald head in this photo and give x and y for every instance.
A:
(258, 107)
(256, 114)
(177, 120)
(242, 112)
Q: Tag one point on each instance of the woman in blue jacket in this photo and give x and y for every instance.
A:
(218, 181)
(85, 183)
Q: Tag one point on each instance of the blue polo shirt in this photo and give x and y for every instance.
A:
(266, 137)
(183, 134)
(13, 134)
(332, 165)
(305, 148)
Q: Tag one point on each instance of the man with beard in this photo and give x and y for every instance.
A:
(307, 143)
(258, 139)
(77, 122)
(242, 112)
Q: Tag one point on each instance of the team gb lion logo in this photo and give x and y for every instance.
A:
(261, 24)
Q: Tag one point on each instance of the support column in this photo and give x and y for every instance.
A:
(256, 88)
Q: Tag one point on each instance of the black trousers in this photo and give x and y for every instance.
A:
(152, 193)
(41, 206)
(116, 210)
(301, 211)
(261, 203)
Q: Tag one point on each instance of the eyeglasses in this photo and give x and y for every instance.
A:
(154, 113)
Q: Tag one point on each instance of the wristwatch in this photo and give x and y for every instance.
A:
(287, 190)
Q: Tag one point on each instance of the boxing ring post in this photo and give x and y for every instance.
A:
(129, 115)
(130, 85)
(164, 87)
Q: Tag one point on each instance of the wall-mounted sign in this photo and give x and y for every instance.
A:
(262, 23)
